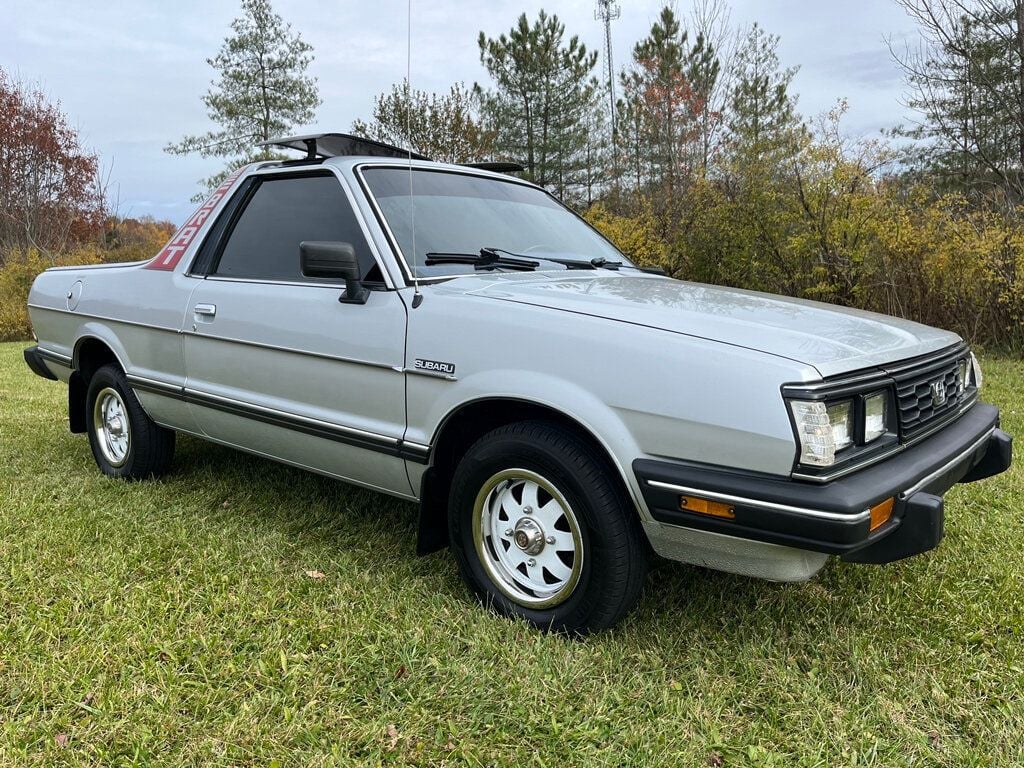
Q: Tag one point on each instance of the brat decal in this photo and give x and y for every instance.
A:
(171, 254)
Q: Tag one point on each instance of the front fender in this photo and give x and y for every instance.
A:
(441, 398)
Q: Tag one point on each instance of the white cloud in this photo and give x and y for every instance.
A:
(130, 75)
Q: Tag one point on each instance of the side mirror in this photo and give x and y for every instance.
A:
(334, 261)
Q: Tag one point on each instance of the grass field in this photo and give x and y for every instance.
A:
(174, 622)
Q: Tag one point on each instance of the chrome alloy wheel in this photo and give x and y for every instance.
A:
(527, 538)
(110, 420)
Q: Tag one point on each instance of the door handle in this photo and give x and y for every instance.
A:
(206, 310)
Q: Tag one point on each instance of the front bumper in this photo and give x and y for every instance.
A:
(834, 517)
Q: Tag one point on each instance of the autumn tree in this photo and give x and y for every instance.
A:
(833, 193)
(544, 102)
(50, 197)
(665, 92)
(262, 92)
(445, 127)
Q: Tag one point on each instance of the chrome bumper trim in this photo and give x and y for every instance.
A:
(54, 357)
(922, 483)
(768, 505)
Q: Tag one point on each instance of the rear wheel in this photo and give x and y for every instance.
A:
(541, 531)
(125, 442)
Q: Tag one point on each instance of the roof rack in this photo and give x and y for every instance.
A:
(497, 166)
(340, 144)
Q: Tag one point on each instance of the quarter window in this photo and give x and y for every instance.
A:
(280, 214)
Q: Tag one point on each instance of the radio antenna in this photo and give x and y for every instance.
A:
(417, 298)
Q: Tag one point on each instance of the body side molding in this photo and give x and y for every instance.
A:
(372, 441)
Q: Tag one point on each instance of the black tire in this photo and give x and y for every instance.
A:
(613, 549)
(147, 447)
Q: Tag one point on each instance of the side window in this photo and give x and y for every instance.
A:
(280, 214)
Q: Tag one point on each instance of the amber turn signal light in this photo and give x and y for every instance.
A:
(880, 513)
(707, 507)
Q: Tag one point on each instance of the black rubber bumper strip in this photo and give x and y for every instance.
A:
(35, 361)
(831, 517)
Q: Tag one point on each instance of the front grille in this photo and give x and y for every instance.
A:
(919, 390)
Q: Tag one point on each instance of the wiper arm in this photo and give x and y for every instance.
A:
(600, 262)
(492, 258)
(488, 258)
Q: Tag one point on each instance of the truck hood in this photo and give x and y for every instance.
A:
(832, 339)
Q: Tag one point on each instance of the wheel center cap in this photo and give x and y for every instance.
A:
(528, 536)
(115, 426)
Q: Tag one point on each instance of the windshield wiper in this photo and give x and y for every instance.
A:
(488, 258)
(493, 258)
(600, 262)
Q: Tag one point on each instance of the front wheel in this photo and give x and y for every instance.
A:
(541, 530)
(125, 442)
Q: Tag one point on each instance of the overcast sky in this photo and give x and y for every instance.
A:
(130, 75)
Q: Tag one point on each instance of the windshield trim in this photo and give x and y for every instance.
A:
(393, 241)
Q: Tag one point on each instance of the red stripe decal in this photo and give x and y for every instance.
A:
(171, 254)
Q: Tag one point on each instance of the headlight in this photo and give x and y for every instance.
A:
(976, 367)
(822, 430)
(840, 417)
(875, 416)
(963, 373)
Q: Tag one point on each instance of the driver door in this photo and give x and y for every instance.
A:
(275, 364)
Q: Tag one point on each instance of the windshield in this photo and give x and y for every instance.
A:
(459, 213)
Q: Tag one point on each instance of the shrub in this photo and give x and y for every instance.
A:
(636, 236)
(16, 276)
(944, 263)
(846, 239)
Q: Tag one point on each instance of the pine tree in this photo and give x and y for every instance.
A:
(764, 138)
(703, 71)
(967, 82)
(667, 122)
(263, 90)
(543, 103)
(762, 116)
(445, 127)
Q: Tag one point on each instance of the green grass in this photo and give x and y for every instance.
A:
(172, 622)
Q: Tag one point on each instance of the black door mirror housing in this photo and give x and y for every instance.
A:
(334, 261)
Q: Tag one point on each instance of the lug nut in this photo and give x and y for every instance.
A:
(531, 562)
(550, 539)
(508, 531)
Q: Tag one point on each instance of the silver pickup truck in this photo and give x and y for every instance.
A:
(457, 337)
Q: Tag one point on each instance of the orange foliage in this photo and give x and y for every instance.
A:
(50, 198)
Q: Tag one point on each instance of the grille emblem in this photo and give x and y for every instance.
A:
(938, 392)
